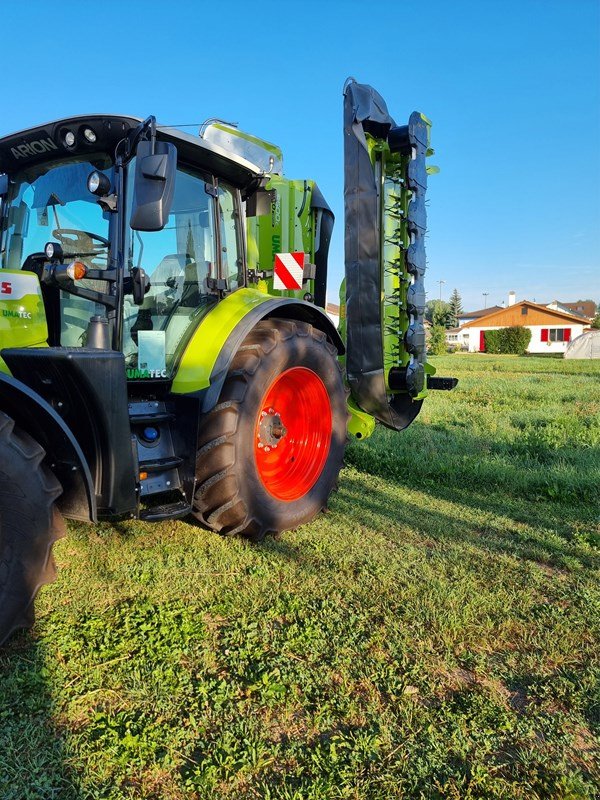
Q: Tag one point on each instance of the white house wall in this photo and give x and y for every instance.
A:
(535, 345)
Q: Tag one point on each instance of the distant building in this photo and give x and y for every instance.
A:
(551, 329)
(469, 316)
(586, 309)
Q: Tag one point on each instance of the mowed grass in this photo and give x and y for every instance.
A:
(435, 635)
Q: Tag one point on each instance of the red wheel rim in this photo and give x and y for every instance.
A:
(293, 433)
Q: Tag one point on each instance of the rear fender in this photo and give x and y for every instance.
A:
(208, 357)
(32, 414)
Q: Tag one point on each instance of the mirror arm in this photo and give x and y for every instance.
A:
(137, 133)
(108, 203)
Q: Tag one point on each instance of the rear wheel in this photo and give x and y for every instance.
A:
(29, 525)
(270, 452)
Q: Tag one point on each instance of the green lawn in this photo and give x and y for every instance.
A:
(435, 635)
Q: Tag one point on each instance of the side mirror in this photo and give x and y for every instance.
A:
(154, 187)
(139, 285)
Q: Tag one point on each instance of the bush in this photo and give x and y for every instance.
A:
(492, 342)
(437, 340)
(513, 340)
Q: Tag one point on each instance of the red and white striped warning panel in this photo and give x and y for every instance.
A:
(288, 270)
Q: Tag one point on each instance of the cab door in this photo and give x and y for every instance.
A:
(182, 264)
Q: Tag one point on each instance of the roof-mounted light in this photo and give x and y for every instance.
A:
(69, 138)
(90, 136)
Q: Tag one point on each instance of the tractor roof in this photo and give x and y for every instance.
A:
(43, 142)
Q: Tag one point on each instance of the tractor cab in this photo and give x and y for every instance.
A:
(133, 235)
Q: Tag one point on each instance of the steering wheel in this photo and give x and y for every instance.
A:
(80, 243)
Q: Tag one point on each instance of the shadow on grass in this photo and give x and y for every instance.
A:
(486, 534)
(33, 755)
(496, 495)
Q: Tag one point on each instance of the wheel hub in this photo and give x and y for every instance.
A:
(270, 429)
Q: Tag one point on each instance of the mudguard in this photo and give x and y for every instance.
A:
(385, 179)
(88, 389)
(208, 356)
(34, 415)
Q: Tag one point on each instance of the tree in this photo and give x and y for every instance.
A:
(438, 313)
(456, 308)
(596, 321)
(437, 340)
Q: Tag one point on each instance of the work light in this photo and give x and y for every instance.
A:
(69, 138)
(98, 183)
(89, 135)
(53, 251)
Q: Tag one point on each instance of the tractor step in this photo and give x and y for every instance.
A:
(160, 464)
(151, 419)
(166, 511)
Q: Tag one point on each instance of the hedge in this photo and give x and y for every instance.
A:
(513, 340)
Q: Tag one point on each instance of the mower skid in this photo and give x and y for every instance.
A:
(385, 180)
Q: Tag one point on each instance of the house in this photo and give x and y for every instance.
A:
(586, 309)
(551, 329)
(455, 337)
(469, 316)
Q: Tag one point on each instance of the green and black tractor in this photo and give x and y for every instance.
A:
(164, 346)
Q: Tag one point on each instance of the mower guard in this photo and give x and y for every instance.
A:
(384, 187)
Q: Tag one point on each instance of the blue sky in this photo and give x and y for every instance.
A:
(512, 87)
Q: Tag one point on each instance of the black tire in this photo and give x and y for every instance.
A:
(29, 525)
(230, 496)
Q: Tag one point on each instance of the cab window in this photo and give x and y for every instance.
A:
(180, 261)
(231, 256)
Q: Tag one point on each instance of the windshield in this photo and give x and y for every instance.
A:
(51, 203)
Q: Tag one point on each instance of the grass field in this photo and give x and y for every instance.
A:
(435, 635)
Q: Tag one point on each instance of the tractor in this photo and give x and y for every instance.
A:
(164, 346)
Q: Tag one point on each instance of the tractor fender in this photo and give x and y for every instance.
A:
(284, 307)
(32, 414)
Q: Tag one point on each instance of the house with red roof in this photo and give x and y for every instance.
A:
(551, 329)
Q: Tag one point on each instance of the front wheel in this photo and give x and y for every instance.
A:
(29, 525)
(270, 452)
